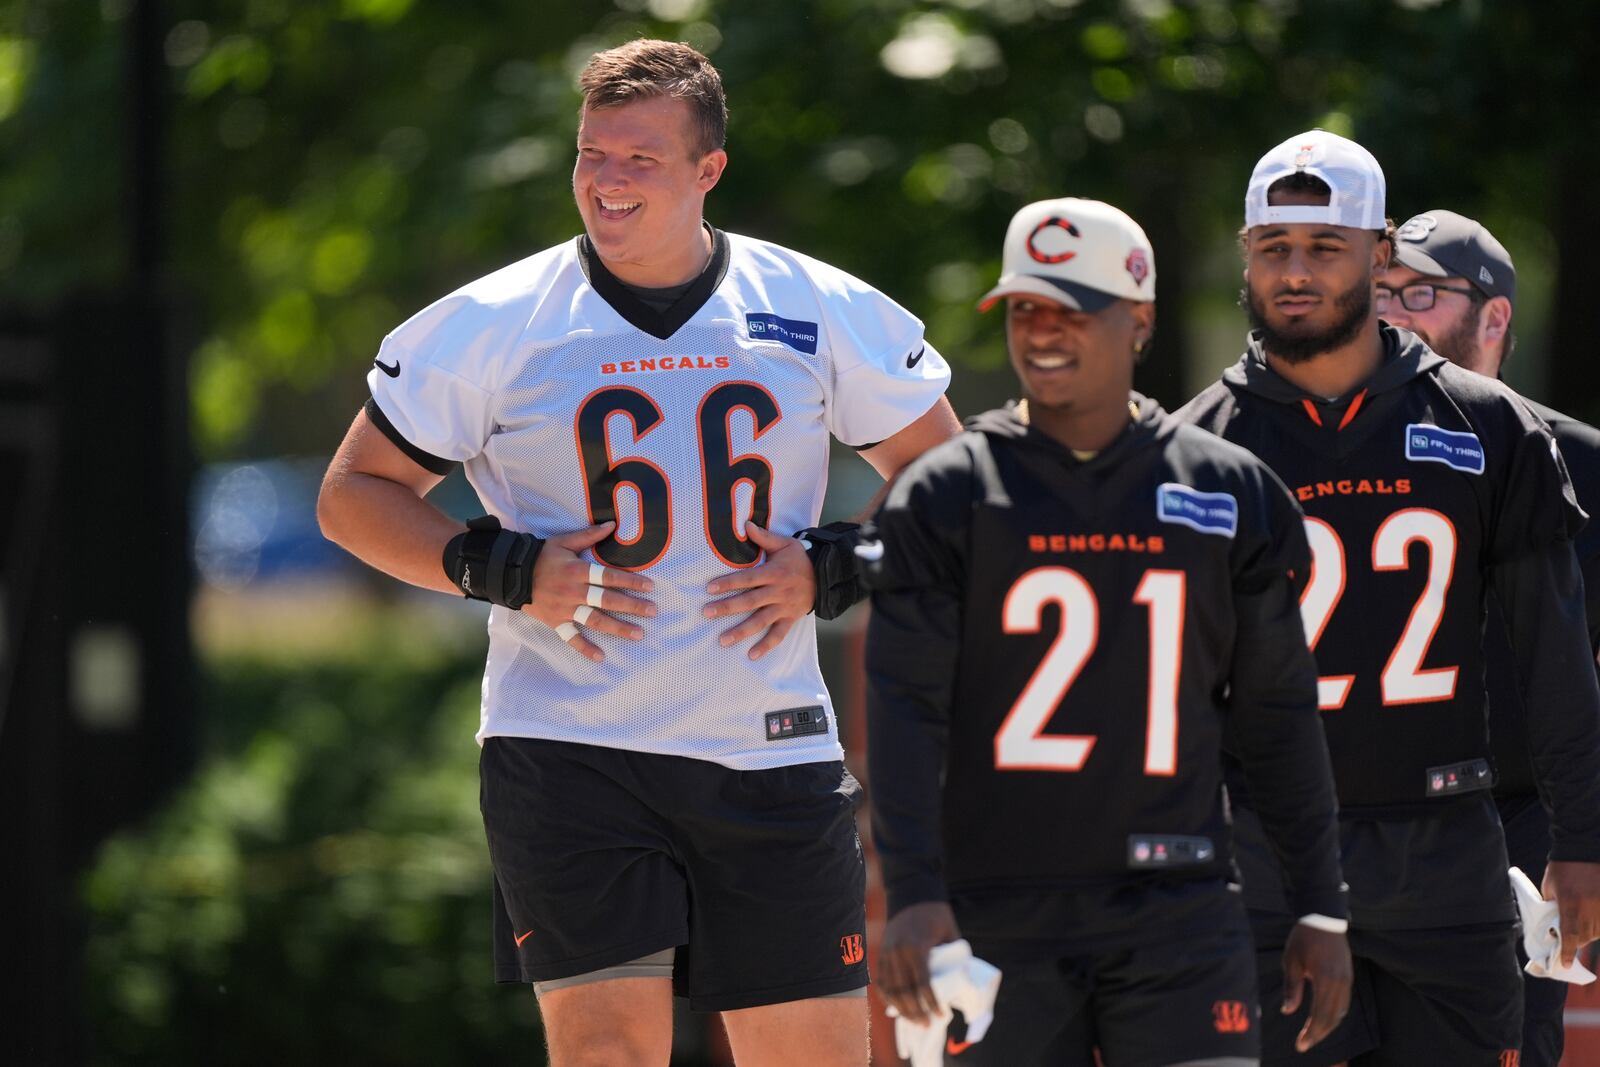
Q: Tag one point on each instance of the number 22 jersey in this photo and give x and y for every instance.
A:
(571, 402)
(1426, 492)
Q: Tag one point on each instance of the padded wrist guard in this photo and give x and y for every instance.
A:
(831, 549)
(488, 563)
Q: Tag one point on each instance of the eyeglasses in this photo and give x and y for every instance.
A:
(1418, 297)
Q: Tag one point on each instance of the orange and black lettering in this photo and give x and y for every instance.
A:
(1230, 1017)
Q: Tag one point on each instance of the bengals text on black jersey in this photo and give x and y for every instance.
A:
(1053, 649)
(1426, 492)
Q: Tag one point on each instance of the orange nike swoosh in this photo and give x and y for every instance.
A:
(956, 1048)
(523, 938)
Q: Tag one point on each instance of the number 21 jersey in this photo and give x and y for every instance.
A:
(1055, 649)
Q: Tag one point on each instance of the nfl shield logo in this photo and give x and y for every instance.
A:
(1138, 266)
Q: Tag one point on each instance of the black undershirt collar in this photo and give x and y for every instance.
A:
(637, 312)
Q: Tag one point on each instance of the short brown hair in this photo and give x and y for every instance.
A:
(642, 69)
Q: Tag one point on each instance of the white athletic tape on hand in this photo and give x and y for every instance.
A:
(595, 593)
(597, 574)
(581, 616)
(567, 631)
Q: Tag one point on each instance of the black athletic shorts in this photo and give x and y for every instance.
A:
(1432, 931)
(1446, 995)
(602, 856)
(1163, 1001)
(1356, 1034)
(1445, 867)
(1544, 1000)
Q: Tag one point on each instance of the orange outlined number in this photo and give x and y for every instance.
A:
(851, 949)
(1021, 744)
(606, 479)
(723, 473)
(1404, 680)
(636, 493)
(1230, 1017)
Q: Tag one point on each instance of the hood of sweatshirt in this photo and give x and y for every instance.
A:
(1147, 420)
(1405, 356)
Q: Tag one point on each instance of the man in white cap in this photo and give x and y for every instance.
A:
(1070, 602)
(1427, 489)
(1454, 285)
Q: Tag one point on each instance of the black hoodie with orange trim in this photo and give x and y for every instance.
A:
(1427, 491)
(1053, 649)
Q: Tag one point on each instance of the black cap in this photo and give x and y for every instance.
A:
(1444, 244)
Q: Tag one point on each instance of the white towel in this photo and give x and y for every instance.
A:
(1541, 934)
(961, 982)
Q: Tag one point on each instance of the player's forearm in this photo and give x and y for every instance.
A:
(904, 764)
(1279, 742)
(911, 657)
(1591, 593)
(386, 525)
(1544, 612)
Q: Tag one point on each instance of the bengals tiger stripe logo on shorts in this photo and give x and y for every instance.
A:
(1230, 1017)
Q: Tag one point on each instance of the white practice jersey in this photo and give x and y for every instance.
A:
(571, 402)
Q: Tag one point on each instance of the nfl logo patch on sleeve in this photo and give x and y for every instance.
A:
(1212, 513)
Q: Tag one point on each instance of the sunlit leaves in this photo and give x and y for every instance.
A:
(377, 12)
(16, 62)
(242, 63)
(930, 46)
(325, 866)
(339, 259)
(335, 166)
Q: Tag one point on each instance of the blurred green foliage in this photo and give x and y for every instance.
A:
(319, 892)
(335, 166)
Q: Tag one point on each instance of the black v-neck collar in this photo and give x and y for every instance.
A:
(662, 324)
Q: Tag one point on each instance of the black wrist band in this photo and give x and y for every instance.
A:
(493, 564)
(831, 549)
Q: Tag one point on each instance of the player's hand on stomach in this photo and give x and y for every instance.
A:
(1575, 887)
(908, 937)
(1322, 958)
(773, 595)
(571, 594)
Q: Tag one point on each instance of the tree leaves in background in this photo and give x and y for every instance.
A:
(319, 892)
(335, 167)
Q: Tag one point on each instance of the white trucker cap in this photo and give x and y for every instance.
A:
(1353, 176)
(1083, 253)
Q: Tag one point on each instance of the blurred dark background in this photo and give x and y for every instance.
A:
(238, 816)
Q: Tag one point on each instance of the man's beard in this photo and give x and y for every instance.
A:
(1352, 308)
(1459, 344)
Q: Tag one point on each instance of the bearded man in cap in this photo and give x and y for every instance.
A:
(1454, 285)
(1427, 490)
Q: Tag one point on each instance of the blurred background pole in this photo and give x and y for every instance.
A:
(1575, 324)
(97, 717)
